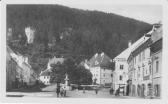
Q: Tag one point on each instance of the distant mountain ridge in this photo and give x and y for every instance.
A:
(64, 30)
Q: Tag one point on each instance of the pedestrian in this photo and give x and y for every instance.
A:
(96, 90)
(61, 91)
(111, 91)
(83, 89)
(117, 92)
(58, 90)
(64, 91)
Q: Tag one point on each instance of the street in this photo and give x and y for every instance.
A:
(104, 93)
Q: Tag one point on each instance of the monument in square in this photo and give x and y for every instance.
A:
(66, 85)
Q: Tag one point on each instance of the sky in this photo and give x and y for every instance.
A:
(150, 13)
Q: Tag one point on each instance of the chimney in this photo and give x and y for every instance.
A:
(102, 54)
(129, 44)
(96, 55)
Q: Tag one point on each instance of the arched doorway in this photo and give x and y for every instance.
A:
(133, 90)
(139, 90)
(149, 90)
(143, 90)
(128, 87)
(157, 90)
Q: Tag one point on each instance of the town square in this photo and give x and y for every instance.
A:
(68, 51)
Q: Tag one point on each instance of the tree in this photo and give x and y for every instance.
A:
(84, 75)
(57, 73)
(85, 32)
(76, 74)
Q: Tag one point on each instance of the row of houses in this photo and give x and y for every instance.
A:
(19, 73)
(99, 65)
(138, 68)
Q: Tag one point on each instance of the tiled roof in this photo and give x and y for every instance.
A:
(54, 60)
(125, 54)
(45, 73)
(101, 60)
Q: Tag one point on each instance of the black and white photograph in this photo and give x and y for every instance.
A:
(83, 49)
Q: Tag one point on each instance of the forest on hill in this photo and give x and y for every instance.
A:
(70, 32)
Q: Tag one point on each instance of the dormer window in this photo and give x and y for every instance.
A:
(96, 62)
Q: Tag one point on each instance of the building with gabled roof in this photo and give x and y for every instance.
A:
(100, 67)
(11, 73)
(156, 58)
(45, 77)
(22, 71)
(141, 65)
(120, 74)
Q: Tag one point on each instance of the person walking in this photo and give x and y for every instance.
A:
(83, 89)
(111, 91)
(96, 90)
(58, 89)
(117, 92)
(64, 91)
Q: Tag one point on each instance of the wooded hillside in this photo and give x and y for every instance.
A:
(84, 32)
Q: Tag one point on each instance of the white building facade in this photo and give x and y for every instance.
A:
(45, 77)
(122, 69)
(100, 69)
(143, 65)
(156, 57)
(141, 82)
(101, 75)
(120, 76)
(24, 71)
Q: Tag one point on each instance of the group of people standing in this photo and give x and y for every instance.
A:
(60, 90)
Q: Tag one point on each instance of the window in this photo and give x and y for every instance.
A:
(157, 90)
(120, 77)
(121, 66)
(157, 66)
(96, 62)
(143, 55)
(138, 72)
(104, 75)
(135, 59)
(150, 69)
(140, 57)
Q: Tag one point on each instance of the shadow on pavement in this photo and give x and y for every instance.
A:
(14, 95)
